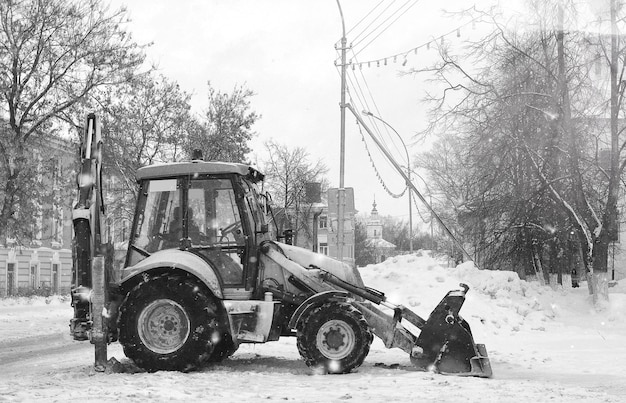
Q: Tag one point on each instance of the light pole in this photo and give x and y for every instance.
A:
(408, 169)
(341, 193)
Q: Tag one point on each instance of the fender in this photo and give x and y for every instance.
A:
(177, 259)
(314, 301)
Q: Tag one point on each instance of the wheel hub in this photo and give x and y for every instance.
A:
(163, 326)
(336, 339)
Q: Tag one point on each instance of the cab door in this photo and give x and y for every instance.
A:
(217, 232)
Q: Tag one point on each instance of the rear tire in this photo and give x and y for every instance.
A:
(168, 323)
(334, 337)
(223, 349)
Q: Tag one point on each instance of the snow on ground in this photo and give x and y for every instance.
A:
(544, 345)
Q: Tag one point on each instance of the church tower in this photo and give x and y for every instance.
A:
(374, 224)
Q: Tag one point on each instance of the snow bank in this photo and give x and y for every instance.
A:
(498, 301)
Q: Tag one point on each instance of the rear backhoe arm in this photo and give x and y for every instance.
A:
(88, 271)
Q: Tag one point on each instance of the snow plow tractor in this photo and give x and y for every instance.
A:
(204, 273)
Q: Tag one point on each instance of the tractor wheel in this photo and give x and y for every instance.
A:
(223, 349)
(168, 323)
(335, 337)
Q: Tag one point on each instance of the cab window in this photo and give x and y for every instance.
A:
(159, 225)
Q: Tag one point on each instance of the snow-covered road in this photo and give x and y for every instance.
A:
(544, 346)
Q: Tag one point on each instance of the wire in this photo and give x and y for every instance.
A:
(375, 123)
(361, 101)
(387, 27)
(374, 20)
(373, 31)
(363, 94)
(380, 179)
(404, 54)
(363, 19)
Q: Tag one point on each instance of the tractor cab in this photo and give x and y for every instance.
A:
(210, 209)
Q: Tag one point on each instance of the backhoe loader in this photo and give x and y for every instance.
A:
(204, 272)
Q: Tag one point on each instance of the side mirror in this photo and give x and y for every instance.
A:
(265, 228)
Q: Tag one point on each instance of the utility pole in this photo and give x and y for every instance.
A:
(341, 194)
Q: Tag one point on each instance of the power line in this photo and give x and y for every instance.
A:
(363, 19)
(380, 179)
(405, 54)
(362, 99)
(357, 36)
(375, 123)
(387, 27)
(359, 93)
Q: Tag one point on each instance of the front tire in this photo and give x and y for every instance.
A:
(335, 337)
(168, 323)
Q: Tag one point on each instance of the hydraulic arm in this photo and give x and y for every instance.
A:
(89, 278)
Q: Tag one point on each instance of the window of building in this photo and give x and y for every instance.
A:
(33, 280)
(323, 221)
(323, 248)
(55, 278)
(11, 278)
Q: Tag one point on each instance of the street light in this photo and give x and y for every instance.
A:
(408, 168)
(341, 192)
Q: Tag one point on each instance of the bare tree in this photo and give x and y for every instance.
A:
(534, 101)
(226, 127)
(144, 122)
(288, 172)
(53, 54)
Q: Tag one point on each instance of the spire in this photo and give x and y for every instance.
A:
(374, 211)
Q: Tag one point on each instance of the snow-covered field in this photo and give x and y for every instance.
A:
(545, 346)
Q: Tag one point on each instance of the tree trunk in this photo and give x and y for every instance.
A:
(600, 283)
(538, 266)
(596, 258)
(8, 206)
(599, 277)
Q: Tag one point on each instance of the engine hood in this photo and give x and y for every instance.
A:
(307, 258)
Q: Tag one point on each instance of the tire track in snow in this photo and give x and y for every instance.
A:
(36, 347)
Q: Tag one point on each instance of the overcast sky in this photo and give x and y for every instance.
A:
(284, 50)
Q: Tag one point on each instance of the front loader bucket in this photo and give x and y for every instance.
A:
(445, 343)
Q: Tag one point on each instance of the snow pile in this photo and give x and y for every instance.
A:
(497, 301)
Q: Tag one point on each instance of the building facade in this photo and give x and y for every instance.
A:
(323, 219)
(43, 264)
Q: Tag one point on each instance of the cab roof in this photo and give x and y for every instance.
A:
(200, 167)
